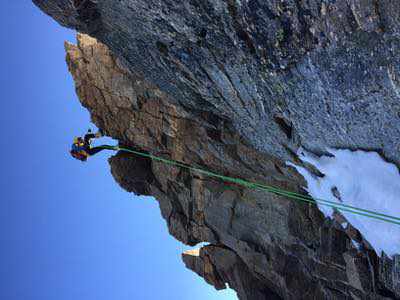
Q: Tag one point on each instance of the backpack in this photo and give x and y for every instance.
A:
(78, 150)
(82, 156)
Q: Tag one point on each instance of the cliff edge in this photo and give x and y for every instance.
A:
(237, 87)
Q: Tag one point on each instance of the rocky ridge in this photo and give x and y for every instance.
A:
(206, 94)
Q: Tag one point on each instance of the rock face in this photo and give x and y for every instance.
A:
(237, 87)
(285, 73)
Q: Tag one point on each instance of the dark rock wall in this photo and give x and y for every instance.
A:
(327, 70)
(283, 248)
(236, 87)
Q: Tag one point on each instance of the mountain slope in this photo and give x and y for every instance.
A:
(237, 88)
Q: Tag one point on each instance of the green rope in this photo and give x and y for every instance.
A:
(270, 189)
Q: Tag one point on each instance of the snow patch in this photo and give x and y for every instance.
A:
(364, 180)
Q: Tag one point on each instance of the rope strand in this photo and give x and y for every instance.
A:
(277, 191)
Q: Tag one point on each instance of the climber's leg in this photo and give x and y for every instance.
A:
(94, 150)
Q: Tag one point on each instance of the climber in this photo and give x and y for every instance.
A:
(81, 148)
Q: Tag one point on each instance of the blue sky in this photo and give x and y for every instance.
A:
(68, 231)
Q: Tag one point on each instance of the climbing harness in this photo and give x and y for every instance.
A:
(254, 185)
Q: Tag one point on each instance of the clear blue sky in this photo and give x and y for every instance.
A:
(67, 230)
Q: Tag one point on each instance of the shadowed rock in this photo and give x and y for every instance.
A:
(236, 87)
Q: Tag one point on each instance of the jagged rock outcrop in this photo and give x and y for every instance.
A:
(316, 73)
(218, 265)
(237, 87)
(282, 248)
